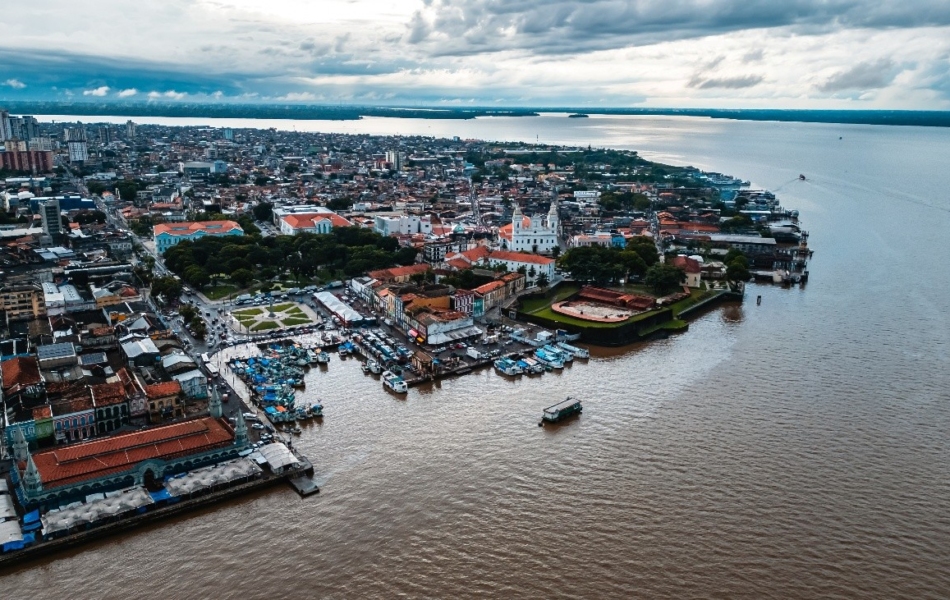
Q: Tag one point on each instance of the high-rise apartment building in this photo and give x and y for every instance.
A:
(129, 129)
(52, 222)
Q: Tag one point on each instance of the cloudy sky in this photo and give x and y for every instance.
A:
(657, 53)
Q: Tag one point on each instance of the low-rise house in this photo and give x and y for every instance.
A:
(111, 405)
(139, 351)
(164, 401)
(692, 268)
(194, 383)
(57, 356)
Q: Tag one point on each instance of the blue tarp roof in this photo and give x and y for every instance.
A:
(31, 516)
(160, 495)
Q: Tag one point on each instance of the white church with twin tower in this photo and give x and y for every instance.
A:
(539, 234)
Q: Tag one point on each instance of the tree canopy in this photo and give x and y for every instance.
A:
(664, 278)
(602, 265)
(352, 250)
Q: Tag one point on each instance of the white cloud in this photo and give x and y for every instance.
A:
(99, 91)
(797, 54)
(15, 84)
(171, 94)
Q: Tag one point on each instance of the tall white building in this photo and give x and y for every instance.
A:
(394, 158)
(539, 234)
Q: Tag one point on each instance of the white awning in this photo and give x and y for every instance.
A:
(451, 336)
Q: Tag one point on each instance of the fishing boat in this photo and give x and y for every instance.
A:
(565, 356)
(574, 350)
(395, 382)
(371, 366)
(533, 366)
(561, 410)
(548, 359)
(296, 430)
(506, 366)
(311, 356)
(316, 410)
(322, 358)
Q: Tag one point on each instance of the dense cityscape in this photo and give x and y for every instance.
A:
(133, 256)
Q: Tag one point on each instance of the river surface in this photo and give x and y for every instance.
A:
(794, 449)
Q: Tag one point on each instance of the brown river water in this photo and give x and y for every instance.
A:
(795, 449)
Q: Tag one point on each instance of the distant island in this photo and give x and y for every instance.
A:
(308, 112)
(577, 116)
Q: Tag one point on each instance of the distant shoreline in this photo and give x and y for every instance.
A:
(354, 113)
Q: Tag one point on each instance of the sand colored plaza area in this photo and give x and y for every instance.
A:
(279, 316)
(593, 311)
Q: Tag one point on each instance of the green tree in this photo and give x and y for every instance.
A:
(128, 190)
(199, 329)
(242, 277)
(406, 256)
(542, 280)
(188, 312)
(196, 276)
(664, 278)
(167, 287)
(737, 271)
(264, 211)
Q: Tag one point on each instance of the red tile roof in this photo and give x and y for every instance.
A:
(307, 220)
(399, 271)
(489, 287)
(690, 265)
(107, 394)
(98, 458)
(521, 257)
(22, 370)
(161, 390)
(188, 228)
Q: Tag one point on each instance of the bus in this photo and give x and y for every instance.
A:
(212, 369)
(205, 359)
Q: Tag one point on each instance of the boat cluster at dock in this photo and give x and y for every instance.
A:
(273, 377)
(546, 358)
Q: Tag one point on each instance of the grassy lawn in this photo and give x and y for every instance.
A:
(265, 325)
(283, 307)
(695, 296)
(637, 288)
(293, 321)
(295, 311)
(248, 312)
(219, 292)
(532, 304)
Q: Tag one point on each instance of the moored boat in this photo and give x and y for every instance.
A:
(506, 366)
(395, 382)
(548, 359)
(574, 350)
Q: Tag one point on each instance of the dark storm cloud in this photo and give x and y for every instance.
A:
(564, 26)
(73, 72)
(730, 83)
(862, 76)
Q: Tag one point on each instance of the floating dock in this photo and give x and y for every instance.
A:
(304, 485)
